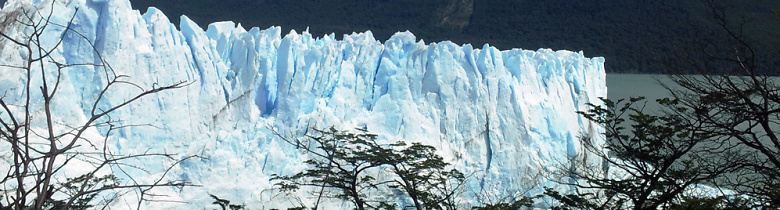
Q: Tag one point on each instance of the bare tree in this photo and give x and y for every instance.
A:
(41, 146)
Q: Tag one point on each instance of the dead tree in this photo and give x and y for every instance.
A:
(39, 146)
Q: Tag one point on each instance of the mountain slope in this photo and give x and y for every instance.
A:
(635, 36)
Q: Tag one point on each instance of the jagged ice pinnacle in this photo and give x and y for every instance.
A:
(501, 117)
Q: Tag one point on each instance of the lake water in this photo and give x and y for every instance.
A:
(627, 85)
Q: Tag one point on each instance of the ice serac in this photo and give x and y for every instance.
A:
(502, 117)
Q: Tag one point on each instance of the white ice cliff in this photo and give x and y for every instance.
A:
(501, 117)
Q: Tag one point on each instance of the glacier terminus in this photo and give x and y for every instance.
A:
(502, 117)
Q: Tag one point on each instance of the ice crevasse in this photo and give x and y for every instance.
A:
(502, 117)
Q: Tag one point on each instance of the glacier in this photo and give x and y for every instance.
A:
(504, 118)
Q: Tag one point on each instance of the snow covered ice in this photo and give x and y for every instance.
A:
(502, 117)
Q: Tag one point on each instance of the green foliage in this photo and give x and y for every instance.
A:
(708, 202)
(740, 107)
(345, 162)
(225, 204)
(653, 158)
(705, 202)
(386, 205)
(717, 130)
(576, 201)
(520, 203)
(294, 208)
(422, 175)
(73, 188)
(341, 161)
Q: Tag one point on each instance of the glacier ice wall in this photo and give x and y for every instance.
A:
(502, 117)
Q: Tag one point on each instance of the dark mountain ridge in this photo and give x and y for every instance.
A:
(634, 36)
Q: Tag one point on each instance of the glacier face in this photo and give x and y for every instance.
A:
(502, 117)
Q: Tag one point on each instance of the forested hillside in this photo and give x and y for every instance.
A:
(634, 36)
